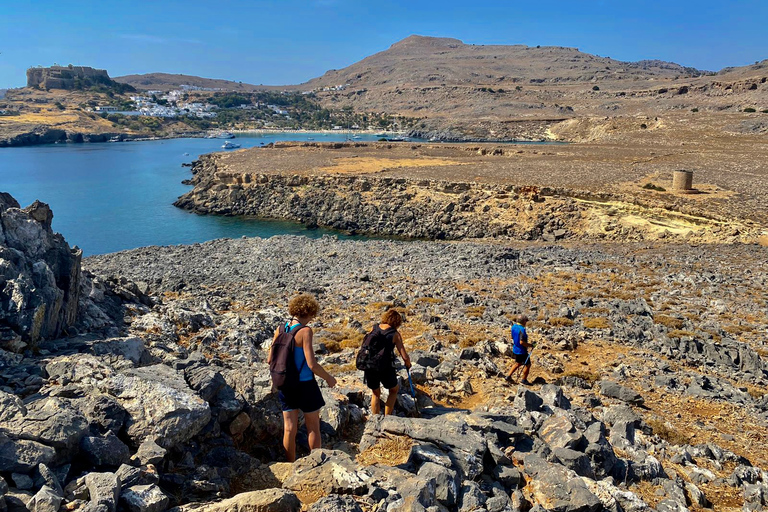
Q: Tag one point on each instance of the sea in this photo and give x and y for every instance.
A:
(109, 197)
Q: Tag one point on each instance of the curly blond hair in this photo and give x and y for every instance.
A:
(392, 317)
(303, 305)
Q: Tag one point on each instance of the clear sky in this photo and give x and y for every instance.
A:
(280, 42)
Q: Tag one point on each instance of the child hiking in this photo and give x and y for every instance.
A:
(293, 367)
(520, 349)
(377, 359)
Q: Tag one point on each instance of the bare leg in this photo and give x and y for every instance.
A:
(513, 370)
(312, 422)
(526, 369)
(376, 402)
(391, 399)
(290, 428)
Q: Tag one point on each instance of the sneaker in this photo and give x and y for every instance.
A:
(509, 380)
(525, 382)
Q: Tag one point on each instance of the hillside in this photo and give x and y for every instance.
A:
(167, 82)
(518, 91)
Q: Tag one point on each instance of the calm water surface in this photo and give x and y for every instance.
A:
(114, 196)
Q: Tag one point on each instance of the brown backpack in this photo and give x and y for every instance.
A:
(282, 366)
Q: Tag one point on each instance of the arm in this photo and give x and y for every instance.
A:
(306, 338)
(524, 339)
(271, 347)
(401, 349)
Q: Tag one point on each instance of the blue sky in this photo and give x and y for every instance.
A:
(290, 41)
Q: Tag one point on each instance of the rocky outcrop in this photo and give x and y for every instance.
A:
(39, 275)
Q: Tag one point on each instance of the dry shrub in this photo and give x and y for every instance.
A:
(381, 306)
(391, 451)
(596, 323)
(560, 321)
(588, 376)
(428, 300)
(669, 322)
(475, 311)
(667, 432)
(332, 346)
(678, 333)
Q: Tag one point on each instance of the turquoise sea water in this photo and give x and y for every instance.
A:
(113, 196)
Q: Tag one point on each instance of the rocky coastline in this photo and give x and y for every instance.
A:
(436, 209)
(47, 135)
(649, 385)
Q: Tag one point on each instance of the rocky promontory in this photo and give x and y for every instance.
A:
(459, 192)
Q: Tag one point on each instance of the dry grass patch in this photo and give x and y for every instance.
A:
(391, 451)
(667, 432)
(586, 375)
(678, 333)
(669, 322)
(475, 311)
(560, 321)
(596, 323)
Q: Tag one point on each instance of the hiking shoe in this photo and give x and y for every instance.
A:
(509, 380)
(525, 382)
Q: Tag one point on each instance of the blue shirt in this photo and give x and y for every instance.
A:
(305, 373)
(519, 333)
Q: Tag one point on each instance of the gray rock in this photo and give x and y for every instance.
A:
(22, 455)
(22, 481)
(614, 390)
(509, 477)
(327, 472)
(50, 479)
(104, 413)
(335, 503)
(130, 476)
(159, 404)
(132, 349)
(575, 461)
(558, 431)
(50, 421)
(40, 272)
(671, 505)
(11, 406)
(104, 489)
(107, 450)
(427, 452)
(46, 500)
(471, 497)
(559, 487)
(527, 400)
(446, 482)
(144, 498)
(3, 486)
(149, 453)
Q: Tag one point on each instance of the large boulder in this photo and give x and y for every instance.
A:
(39, 275)
(50, 421)
(268, 500)
(325, 472)
(104, 489)
(159, 403)
(23, 456)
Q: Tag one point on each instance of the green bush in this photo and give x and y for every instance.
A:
(749, 109)
(595, 88)
(694, 109)
(651, 186)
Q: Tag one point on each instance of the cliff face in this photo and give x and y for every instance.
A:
(39, 275)
(63, 77)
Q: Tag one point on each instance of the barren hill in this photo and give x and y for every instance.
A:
(168, 81)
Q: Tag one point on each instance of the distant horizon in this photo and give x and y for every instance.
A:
(288, 42)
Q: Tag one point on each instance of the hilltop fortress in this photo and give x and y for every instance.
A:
(65, 77)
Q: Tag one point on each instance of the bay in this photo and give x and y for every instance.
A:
(110, 197)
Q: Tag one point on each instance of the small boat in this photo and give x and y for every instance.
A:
(310, 138)
(116, 138)
(397, 139)
(355, 136)
(225, 135)
(230, 145)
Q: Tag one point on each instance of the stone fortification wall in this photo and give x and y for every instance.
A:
(63, 77)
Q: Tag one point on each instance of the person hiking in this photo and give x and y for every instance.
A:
(305, 395)
(520, 346)
(385, 374)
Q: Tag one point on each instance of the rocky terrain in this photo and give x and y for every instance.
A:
(649, 381)
(462, 191)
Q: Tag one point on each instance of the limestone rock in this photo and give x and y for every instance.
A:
(52, 421)
(107, 450)
(46, 500)
(268, 500)
(39, 273)
(149, 453)
(615, 390)
(335, 503)
(325, 472)
(144, 498)
(159, 404)
(22, 455)
(104, 489)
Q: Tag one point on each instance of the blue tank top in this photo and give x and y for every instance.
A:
(518, 333)
(305, 373)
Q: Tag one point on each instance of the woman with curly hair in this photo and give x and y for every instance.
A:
(386, 375)
(307, 397)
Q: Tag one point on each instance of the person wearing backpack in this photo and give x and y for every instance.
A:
(295, 377)
(520, 346)
(377, 359)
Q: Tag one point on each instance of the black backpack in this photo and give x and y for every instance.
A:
(282, 366)
(375, 352)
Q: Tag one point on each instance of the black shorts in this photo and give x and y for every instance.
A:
(377, 378)
(523, 359)
(306, 396)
